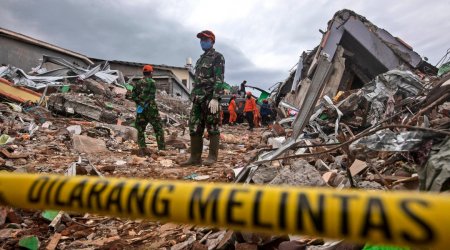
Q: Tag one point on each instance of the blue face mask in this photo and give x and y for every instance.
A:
(206, 45)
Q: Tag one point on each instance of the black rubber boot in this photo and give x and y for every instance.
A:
(213, 150)
(196, 152)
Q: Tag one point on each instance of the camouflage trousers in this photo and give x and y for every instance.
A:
(150, 115)
(201, 117)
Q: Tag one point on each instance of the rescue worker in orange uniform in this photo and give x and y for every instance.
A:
(249, 110)
(232, 110)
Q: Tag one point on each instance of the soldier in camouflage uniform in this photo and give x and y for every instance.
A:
(209, 77)
(143, 95)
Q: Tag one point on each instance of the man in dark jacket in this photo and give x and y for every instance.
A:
(266, 112)
(242, 89)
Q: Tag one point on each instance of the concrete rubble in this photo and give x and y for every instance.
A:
(376, 124)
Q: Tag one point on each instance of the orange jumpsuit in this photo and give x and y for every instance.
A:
(249, 110)
(232, 110)
(256, 118)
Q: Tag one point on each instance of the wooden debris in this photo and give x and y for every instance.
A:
(56, 221)
(391, 179)
(215, 239)
(184, 245)
(329, 176)
(246, 246)
(205, 237)
(227, 240)
(98, 242)
(408, 179)
(168, 226)
(357, 167)
(199, 246)
(7, 233)
(54, 240)
(9, 155)
(143, 238)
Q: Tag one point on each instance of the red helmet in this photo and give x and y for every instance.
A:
(249, 93)
(147, 68)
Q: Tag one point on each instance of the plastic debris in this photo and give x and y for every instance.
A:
(29, 242)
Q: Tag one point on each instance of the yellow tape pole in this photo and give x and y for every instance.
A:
(401, 218)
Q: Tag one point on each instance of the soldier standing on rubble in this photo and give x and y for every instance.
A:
(209, 76)
(143, 94)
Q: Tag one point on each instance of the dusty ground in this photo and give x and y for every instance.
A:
(51, 151)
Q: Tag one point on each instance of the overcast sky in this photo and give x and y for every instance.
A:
(261, 40)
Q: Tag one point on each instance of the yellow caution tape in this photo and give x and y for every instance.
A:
(402, 218)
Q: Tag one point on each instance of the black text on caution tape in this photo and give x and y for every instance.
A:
(334, 214)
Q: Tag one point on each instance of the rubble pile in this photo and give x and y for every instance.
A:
(392, 134)
(87, 130)
(364, 135)
(356, 129)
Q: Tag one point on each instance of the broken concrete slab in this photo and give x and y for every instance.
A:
(126, 132)
(301, 173)
(89, 145)
(74, 129)
(264, 175)
(81, 105)
(119, 91)
(371, 185)
(276, 142)
(97, 88)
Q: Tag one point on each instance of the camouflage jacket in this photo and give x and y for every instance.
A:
(209, 74)
(144, 91)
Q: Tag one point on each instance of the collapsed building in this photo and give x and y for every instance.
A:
(361, 97)
(370, 113)
(354, 52)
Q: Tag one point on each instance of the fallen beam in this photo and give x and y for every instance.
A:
(17, 93)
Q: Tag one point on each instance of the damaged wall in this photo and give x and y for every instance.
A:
(166, 77)
(25, 52)
(171, 87)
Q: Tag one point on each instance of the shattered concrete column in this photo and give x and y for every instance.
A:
(332, 85)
